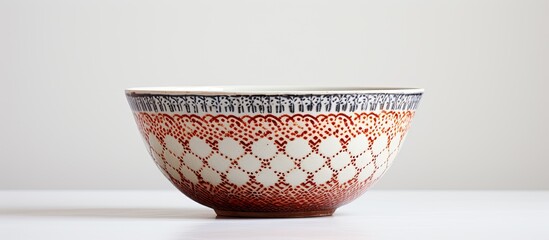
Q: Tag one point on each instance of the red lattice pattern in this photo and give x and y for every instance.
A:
(236, 186)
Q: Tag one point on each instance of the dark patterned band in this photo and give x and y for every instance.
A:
(244, 104)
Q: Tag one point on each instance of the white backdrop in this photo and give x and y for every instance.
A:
(483, 122)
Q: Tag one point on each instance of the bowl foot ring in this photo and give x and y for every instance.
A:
(232, 214)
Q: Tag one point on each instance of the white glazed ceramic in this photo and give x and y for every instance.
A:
(273, 151)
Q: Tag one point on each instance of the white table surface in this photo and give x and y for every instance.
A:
(376, 215)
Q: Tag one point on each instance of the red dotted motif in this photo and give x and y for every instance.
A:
(274, 163)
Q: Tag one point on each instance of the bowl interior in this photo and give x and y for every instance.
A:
(267, 90)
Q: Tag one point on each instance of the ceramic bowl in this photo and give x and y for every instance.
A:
(273, 151)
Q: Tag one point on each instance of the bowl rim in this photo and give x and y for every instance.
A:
(268, 90)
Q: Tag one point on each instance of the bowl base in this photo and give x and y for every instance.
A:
(319, 213)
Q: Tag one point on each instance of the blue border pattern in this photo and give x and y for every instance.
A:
(258, 104)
